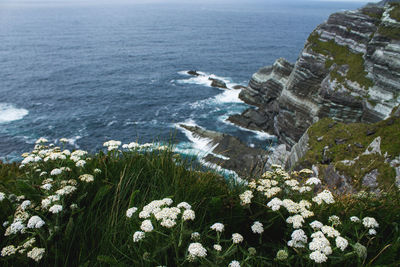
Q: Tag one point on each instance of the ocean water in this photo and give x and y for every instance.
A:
(91, 72)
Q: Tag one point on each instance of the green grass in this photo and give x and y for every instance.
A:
(98, 233)
(341, 55)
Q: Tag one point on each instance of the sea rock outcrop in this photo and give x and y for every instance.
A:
(349, 70)
(230, 153)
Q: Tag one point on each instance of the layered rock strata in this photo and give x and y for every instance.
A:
(349, 70)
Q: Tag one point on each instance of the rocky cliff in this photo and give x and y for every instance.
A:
(349, 70)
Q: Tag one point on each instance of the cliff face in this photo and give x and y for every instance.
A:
(349, 70)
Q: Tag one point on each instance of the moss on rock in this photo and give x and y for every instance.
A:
(334, 143)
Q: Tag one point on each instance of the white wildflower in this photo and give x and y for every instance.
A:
(218, 227)
(257, 227)
(55, 209)
(330, 231)
(112, 145)
(46, 186)
(96, 171)
(15, 227)
(370, 222)
(291, 182)
(188, 215)
(217, 247)
(372, 231)
(272, 191)
(2, 196)
(35, 222)
(36, 254)
(275, 204)
(318, 257)
(299, 239)
(6, 223)
(45, 203)
(138, 235)
(354, 219)
(29, 243)
(130, 212)
(73, 206)
(325, 196)
(25, 204)
(184, 205)
(55, 172)
(168, 223)
(313, 181)
(197, 250)
(234, 264)
(8, 250)
(296, 220)
(316, 225)
(41, 140)
(167, 201)
(245, 197)
(80, 163)
(237, 238)
(341, 243)
(66, 190)
(88, 178)
(146, 226)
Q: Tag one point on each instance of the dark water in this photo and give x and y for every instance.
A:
(93, 72)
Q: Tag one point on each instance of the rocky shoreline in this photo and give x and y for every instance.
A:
(349, 70)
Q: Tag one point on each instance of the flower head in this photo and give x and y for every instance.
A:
(130, 212)
(237, 238)
(138, 235)
(55, 209)
(35, 222)
(257, 227)
(36, 254)
(218, 227)
(234, 264)
(197, 250)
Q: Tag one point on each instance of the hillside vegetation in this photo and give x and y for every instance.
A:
(146, 206)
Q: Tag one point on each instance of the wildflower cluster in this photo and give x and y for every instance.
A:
(292, 197)
(32, 221)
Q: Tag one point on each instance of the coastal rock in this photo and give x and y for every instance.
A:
(349, 70)
(230, 153)
(217, 83)
(193, 72)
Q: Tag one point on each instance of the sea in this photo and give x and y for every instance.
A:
(92, 71)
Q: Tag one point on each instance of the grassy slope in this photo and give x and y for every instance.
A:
(388, 130)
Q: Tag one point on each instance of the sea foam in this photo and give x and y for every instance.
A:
(8, 113)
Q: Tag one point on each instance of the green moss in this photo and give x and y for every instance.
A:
(391, 32)
(395, 13)
(373, 13)
(352, 136)
(341, 55)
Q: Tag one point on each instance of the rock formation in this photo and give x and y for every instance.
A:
(349, 70)
(230, 153)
